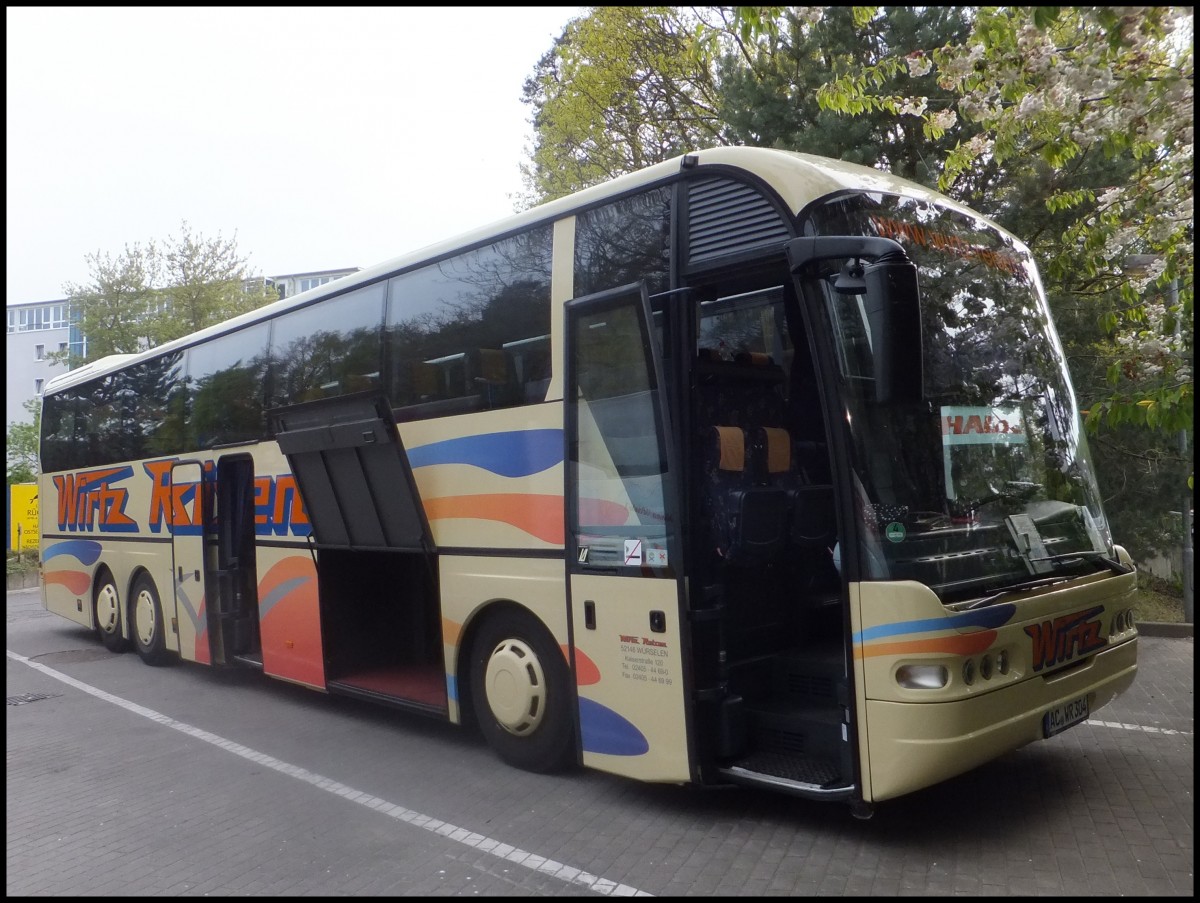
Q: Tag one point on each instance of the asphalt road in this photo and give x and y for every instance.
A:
(128, 780)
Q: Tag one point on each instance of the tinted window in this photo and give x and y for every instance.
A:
(98, 433)
(471, 332)
(623, 242)
(155, 393)
(59, 450)
(129, 414)
(226, 386)
(331, 348)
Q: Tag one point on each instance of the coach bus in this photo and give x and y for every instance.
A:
(751, 467)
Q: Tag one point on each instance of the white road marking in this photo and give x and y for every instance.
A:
(1139, 727)
(464, 836)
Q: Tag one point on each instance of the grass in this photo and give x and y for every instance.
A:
(24, 564)
(1157, 600)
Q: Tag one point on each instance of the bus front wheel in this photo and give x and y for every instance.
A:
(147, 622)
(520, 691)
(106, 610)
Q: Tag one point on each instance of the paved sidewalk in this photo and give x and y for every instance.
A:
(104, 800)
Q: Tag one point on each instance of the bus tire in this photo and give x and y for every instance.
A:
(520, 691)
(106, 613)
(146, 622)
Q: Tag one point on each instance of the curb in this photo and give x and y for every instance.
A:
(23, 580)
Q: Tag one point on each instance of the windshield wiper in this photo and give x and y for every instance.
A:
(1012, 590)
(1013, 491)
(1091, 554)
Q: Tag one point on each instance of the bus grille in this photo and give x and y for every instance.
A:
(728, 217)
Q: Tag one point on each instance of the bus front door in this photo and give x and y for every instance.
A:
(622, 543)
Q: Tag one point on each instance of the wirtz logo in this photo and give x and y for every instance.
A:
(1065, 638)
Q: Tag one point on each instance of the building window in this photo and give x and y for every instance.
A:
(306, 284)
(39, 352)
(62, 346)
(45, 316)
(37, 386)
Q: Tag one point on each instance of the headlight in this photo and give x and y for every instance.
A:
(922, 677)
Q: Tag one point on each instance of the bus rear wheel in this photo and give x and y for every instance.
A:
(520, 691)
(106, 612)
(149, 637)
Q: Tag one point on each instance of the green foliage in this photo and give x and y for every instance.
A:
(1070, 126)
(770, 88)
(622, 88)
(22, 445)
(151, 294)
(1065, 91)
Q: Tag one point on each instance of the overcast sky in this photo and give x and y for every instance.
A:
(321, 137)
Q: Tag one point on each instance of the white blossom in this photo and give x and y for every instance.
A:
(810, 15)
(980, 145)
(943, 119)
(1031, 104)
(918, 64)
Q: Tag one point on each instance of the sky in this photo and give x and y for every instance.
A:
(318, 138)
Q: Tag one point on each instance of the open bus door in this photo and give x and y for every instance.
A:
(213, 559)
(188, 517)
(622, 543)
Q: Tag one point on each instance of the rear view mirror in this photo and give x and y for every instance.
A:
(880, 271)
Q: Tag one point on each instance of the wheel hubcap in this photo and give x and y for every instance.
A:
(106, 608)
(144, 618)
(515, 687)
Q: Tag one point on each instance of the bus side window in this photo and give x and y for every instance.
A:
(531, 358)
(423, 382)
(494, 378)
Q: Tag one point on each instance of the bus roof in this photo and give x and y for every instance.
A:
(798, 178)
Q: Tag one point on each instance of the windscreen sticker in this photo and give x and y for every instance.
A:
(981, 426)
(633, 551)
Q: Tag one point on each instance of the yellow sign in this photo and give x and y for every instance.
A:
(22, 516)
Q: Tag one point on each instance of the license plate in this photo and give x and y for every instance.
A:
(1061, 717)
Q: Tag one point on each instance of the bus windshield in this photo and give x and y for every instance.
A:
(987, 482)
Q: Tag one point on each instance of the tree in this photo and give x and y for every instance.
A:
(22, 446)
(769, 85)
(622, 88)
(1070, 126)
(114, 309)
(1058, 89)
(151, 294)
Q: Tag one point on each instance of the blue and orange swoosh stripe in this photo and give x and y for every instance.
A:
(515, 454)
(85, 551)
(901, 638)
